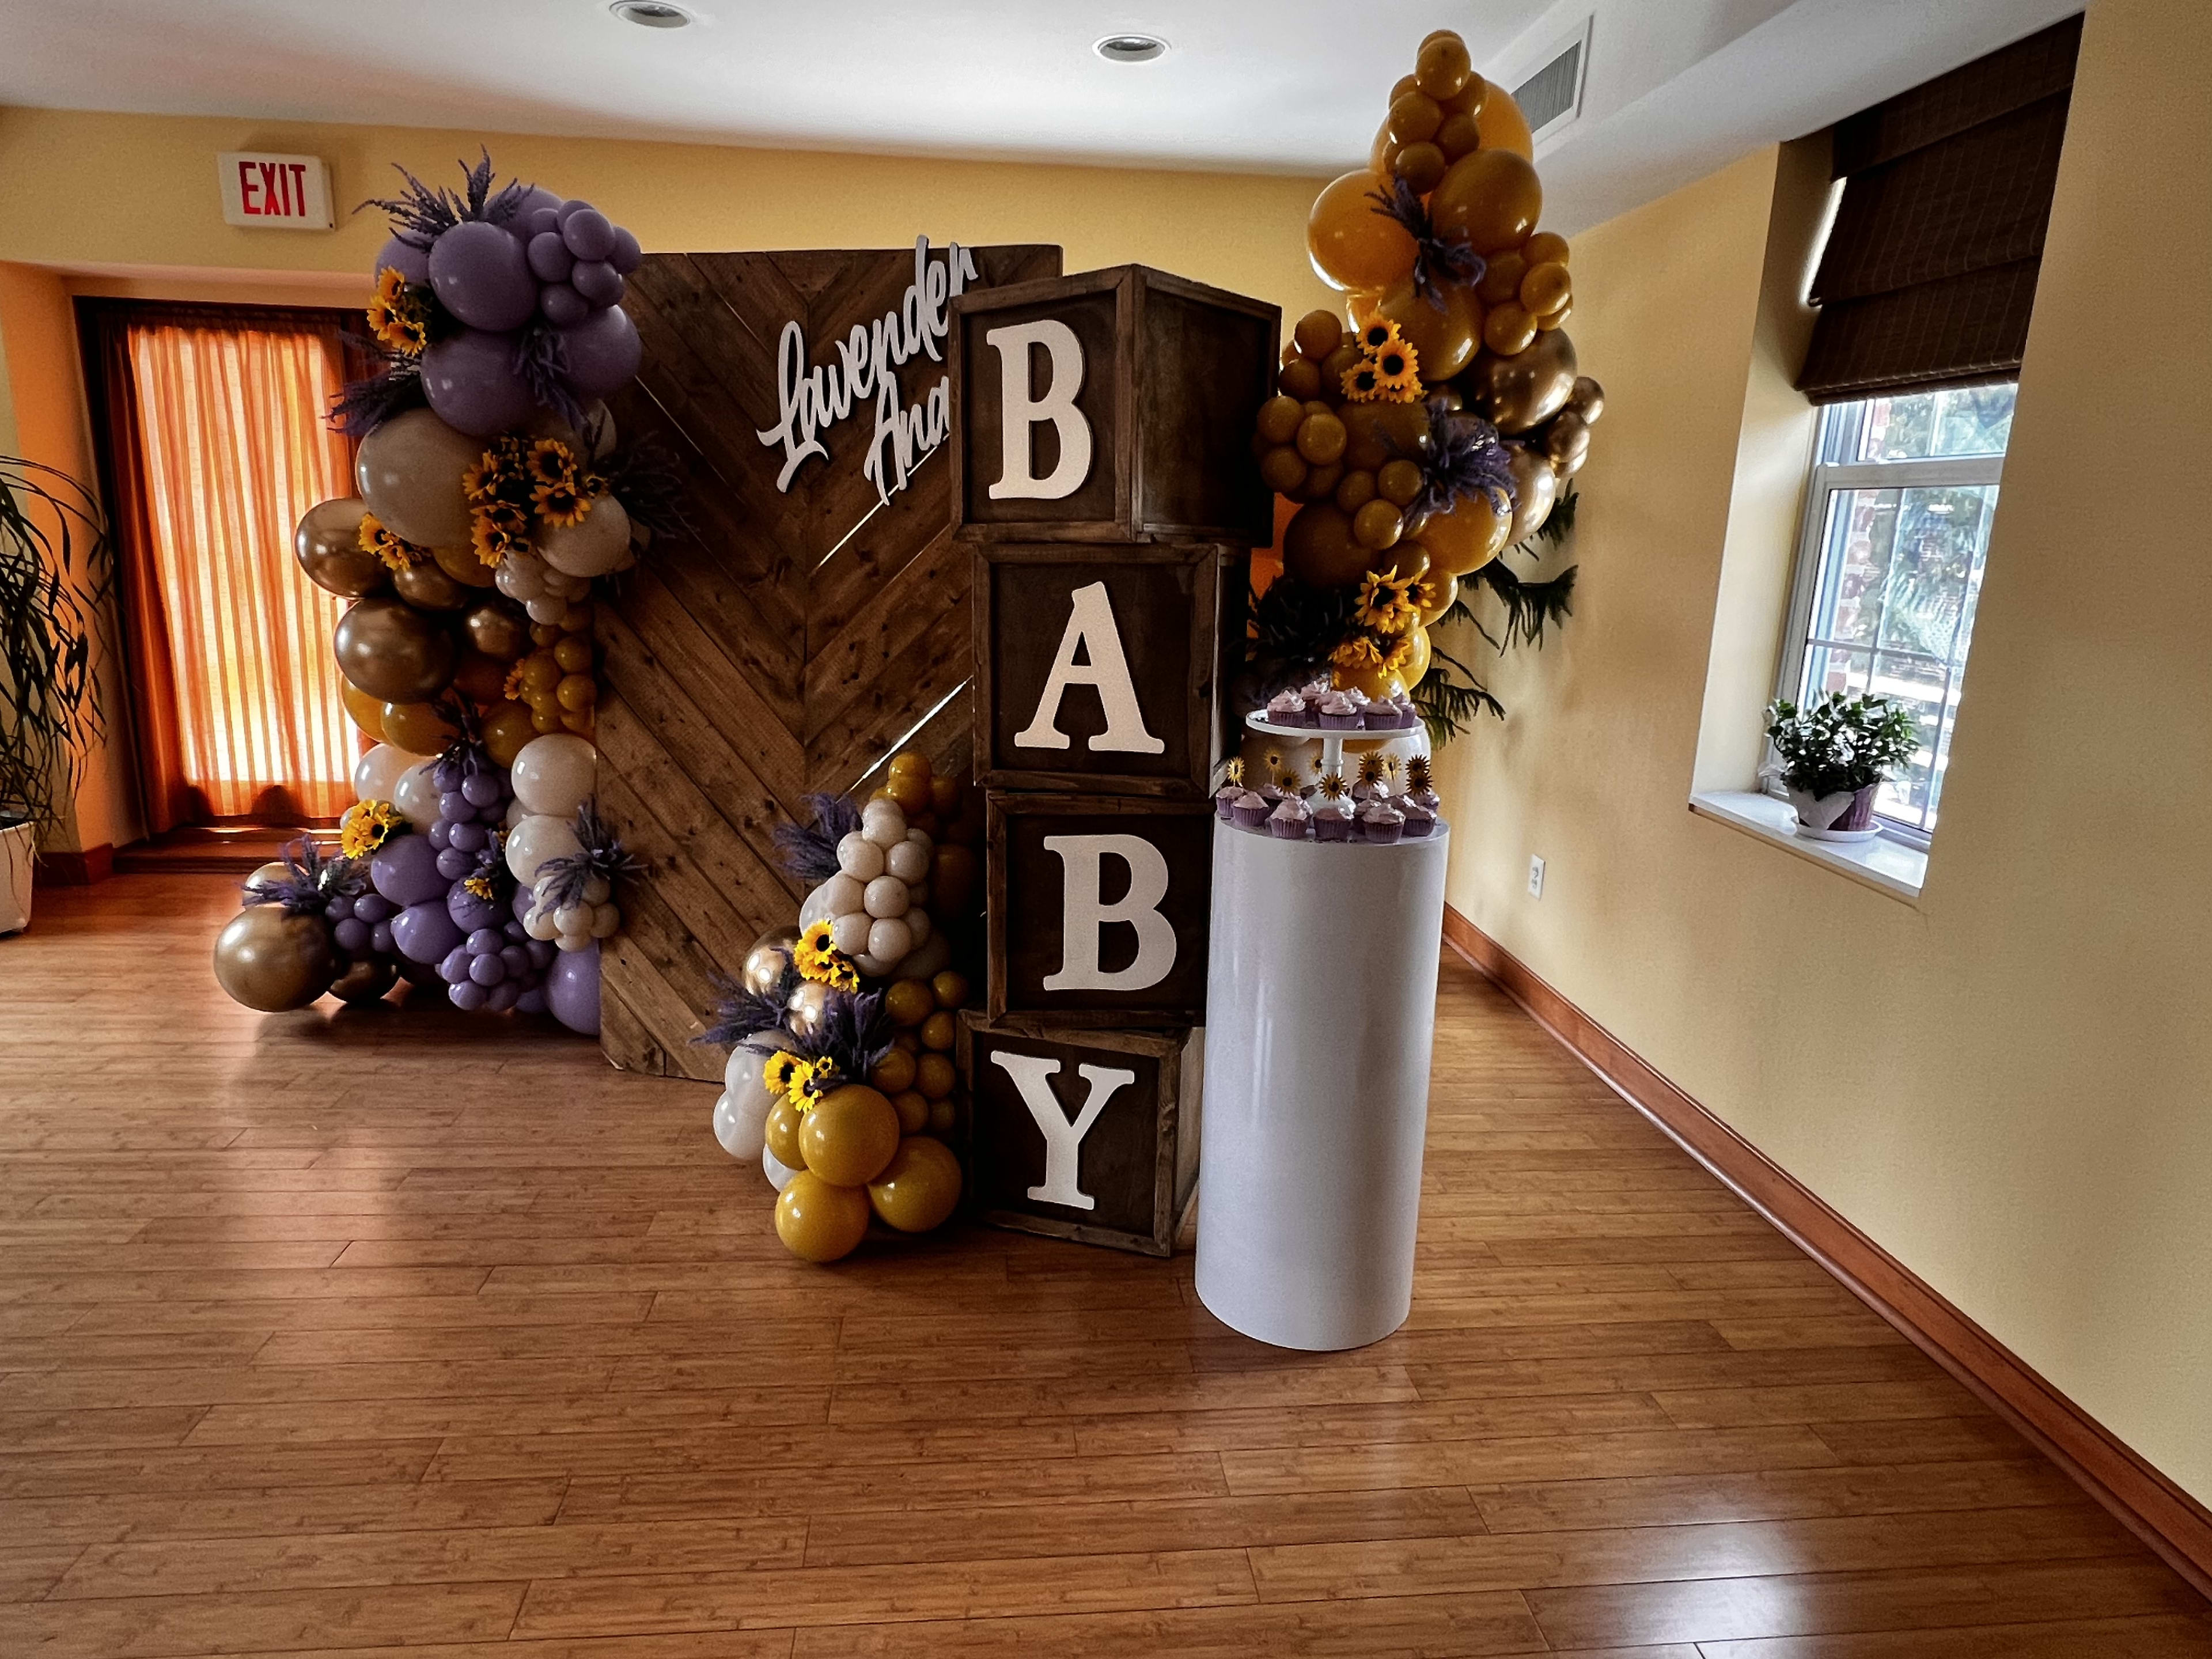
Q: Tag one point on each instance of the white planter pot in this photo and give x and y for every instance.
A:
(18, 842)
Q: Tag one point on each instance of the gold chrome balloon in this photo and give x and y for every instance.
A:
(1527, 388)
(499, 628)
(428, 587)
(420, 728)
(764, 965)
(918, 1187)
(327, 544)
(462, 564)
(272, 961)
(1536, 488)
(1587, 399)
(365, 980)
(809, 1000)
(1566, 442)
(393, 651)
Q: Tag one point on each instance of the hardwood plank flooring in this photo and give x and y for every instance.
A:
(335, 1332)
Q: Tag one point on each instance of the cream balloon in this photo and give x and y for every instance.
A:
(779, 1175)
(376, 774)
(741, 1113)
(538, 837)
(590, 549)
(554, 774)
(409, 471)
(416, 796)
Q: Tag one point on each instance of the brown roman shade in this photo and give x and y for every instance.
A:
(1929, 274)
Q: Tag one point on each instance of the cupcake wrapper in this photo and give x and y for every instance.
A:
(1340, 722)
(1419, 826)
(1332, 829)
(1287, 829)
(1251, 818)
(1222, 810)
(1384, 835)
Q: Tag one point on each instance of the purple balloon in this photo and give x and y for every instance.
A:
(515, 934)
(535, 200)
(486, 971)
(562, 306)
(531, 1001)
(438, 833)
(424, 932)
(481, 789)
(537, 222)
(472, 381)
(571, 208)
(467, 837)
(479, 273)
(589, 234)
(469, 912)
(340, 909)
(405, 870)
(603, 353)
(446, 775)
(596, 280)
(572, 990)
(453, 966)
(468, 996)
(541, 952)
(373, 907)
(453, 864)
(485, 941)
(628, 255)
(549, 258)
(516, 958)
(503, 997)
(411, 261)
(522, 901)
(379, 939)
(350, 936)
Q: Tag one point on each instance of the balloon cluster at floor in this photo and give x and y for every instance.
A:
(491, 492)
(841, 1082)
(1437, 429)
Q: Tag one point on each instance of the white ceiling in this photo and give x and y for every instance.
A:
(1675, 87)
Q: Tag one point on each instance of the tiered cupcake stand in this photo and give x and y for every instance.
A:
(1320, 1007)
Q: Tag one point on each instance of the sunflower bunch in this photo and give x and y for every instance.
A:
(398, 553)
(502, 495)
(1389, 370)
(820, 960)
(561, 486)
(1380, 636)
(399, 316)
(797, 1079)
(366, 828)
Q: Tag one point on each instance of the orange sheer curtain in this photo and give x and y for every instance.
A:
(217, 446)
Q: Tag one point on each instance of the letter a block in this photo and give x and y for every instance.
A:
(1086, 1135)
(1098, 910)
(1105, 669)
(1112, 406)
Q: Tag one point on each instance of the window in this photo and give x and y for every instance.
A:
(1889, 567)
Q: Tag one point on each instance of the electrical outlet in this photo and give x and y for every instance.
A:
(1536, 877)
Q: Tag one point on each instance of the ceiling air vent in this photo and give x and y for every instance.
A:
(1552, 96)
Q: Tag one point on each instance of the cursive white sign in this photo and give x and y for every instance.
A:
(810, 400)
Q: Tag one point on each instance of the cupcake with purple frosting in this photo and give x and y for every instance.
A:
(1381, 823)
(1419, 820)
(1287, 708)
(1421, 782)
(1340, 711)
(1370, 785)
(1289, 820)
(1333, 815)
(1249, 809)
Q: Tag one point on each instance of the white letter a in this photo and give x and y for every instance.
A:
(1091, 626)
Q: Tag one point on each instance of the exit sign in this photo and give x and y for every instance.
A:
(276, 192)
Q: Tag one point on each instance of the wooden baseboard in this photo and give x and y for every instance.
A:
(2150, 1506)
(74, 869)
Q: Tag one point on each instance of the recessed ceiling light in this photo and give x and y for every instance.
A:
(1131, 48)
(651, 14)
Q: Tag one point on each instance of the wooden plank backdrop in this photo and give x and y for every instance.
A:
(788, 644)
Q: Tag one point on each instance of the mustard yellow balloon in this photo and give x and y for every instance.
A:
(849, 1135)
(1502, 124)
(782, 1130)
(918, 1187)
(818, 1221)
(1352, 246)
(365, 711)
(1464, 538)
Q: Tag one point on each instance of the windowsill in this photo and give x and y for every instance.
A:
(1886, 865)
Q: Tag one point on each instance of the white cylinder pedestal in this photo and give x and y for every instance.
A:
(1320, 1009)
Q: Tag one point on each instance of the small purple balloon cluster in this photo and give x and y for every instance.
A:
(535, 287)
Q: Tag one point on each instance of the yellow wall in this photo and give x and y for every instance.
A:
(128, 204)
(2007, 1084)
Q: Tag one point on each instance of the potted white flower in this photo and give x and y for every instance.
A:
(1833, 753)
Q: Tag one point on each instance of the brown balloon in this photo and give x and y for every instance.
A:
(1527, 388)
(1491, 197)
(365, 980)
(1566, 442)
(1443, 335)
(1587, 399)
(480, 678)
(328, 546)
(499, 628)
(271, 961)
(420, 728)
(409, 471)
(427, 587)
(462, 564)
(393, 651)
(1536, 488)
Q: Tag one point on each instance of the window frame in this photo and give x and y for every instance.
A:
(1838, 430)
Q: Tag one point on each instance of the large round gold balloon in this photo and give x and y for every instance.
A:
(850, 1135)
(1350, 244)
(1536, 488)
(918, 1187)
(1319, 550)
(420, 728)
(1527, 388)
(1490, 197)
(393, 651)
(1567, 442)
(809, 1000)
(818, 1222)
(409, 471)
(1502, 124)
(498, 627)
(271, 961)
(427, 587)
(365, 980)
(363, 710)
(505, 730)
(480, 678)
(270, 874)
(328, 546)
(1464, 538)
(1443, 335)
(462, 564)
(766, 962)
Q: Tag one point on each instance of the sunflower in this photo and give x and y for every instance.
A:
(1385, 604)
(397, 553)
(1397, 372)
(778, 1071)
(1356, 652)
(1379, 332)
(1418, 772)
(397, 316)
(366, 828)
(799, 1090)
(1362, 383)
(1332, 785)
(560, 502)
(1371, 767)
(1235, 772)
(1401, 654)
(511, 688)
(550, 461)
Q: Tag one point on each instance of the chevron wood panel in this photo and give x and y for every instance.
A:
(788, 645)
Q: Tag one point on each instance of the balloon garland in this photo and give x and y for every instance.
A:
(491, 492)
(841, 1082)
(1437, 430)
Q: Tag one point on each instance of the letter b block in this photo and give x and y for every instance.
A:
(1098, 910)
(1114, 406)
(1105, 669)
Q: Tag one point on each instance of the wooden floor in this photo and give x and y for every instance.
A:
(331, 1332)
